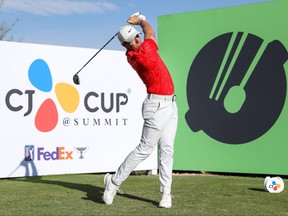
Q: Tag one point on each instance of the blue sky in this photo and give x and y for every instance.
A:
(91, 23)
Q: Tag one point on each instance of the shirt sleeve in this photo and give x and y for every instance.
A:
(149, 45)
(146, 53)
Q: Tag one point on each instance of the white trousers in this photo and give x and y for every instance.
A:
(160, 125)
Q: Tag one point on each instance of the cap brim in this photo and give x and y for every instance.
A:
(132, 36)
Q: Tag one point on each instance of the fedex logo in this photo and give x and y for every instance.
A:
(59, 154)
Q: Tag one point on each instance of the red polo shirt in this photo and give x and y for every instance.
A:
(151, 69)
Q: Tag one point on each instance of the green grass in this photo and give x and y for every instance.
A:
(193, 195)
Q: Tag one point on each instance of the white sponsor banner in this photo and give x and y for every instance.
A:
(49, 125)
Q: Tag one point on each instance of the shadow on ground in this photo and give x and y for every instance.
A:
(257, 189)
(93, 193)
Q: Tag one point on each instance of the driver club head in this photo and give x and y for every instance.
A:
(76, 79)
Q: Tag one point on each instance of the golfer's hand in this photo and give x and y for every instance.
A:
(133, 20)
(136, 18)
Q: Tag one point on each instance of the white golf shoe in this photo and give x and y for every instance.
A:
(166, 201)
(110, 189)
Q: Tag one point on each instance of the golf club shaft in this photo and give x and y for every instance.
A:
(97, 53)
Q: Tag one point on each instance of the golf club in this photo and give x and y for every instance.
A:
(76, 78)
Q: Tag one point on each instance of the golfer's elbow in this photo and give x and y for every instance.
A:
(147, 30)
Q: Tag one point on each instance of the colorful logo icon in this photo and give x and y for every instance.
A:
(274, 184)
(29, 153)
(67, 95)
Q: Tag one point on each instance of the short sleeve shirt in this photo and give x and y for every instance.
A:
(151, 69)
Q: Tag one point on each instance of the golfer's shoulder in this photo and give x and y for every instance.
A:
(151, 42)
(151, 39)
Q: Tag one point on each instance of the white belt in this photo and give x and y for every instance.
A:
(162, 97)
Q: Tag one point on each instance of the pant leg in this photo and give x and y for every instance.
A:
(166, 150)
(150, 136)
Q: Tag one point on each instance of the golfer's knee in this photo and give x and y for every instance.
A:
(145, 150)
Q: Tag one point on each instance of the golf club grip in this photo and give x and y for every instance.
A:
(97, 52)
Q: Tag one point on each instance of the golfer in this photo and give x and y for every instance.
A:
(159, 110)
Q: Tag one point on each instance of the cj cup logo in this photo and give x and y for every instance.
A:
(274, 184)
(236, 87)
(68, 97)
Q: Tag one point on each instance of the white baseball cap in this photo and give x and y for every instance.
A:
(127, 33)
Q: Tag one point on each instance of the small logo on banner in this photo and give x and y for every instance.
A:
(81, 151)
(33, 153)
(274, 184)
(29, 152)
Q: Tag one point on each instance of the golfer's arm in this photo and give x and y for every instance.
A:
(147, 30)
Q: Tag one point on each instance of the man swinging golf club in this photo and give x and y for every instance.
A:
(159, 110)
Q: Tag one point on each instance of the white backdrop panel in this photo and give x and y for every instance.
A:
(104, 137)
